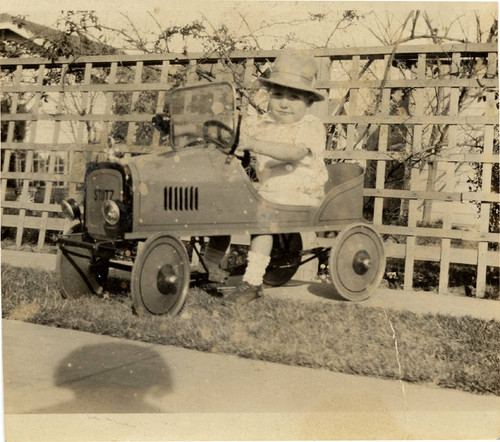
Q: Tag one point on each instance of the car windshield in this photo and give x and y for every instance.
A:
(192, 107)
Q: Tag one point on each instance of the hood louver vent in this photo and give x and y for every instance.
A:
(180, 198)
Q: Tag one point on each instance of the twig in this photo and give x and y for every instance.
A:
(156, 21)
(479, 33)
(250, 30)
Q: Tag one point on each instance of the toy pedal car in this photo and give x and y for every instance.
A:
(136, 212)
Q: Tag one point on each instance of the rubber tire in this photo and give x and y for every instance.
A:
(346, 281)
(285, 252)
(158, 252)
(78, 275)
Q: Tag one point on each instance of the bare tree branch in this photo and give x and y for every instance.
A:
(252, 35)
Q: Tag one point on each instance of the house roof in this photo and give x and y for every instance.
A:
(37, 37)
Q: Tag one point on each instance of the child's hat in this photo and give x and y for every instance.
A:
(296, 71)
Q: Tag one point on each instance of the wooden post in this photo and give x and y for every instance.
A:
(444, 268)
(28, 166)
(78, 159)
(247, 84)
(321, 107)
(413, 204)
(106, 128)
(192, 76)
(382, 147)
(484, 222)
(353, 103)
(160, 103)
(132, 125)
(52, 160)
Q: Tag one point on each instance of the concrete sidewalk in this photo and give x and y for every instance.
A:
(69, 385)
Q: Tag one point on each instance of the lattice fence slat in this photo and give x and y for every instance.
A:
(381, 166)
(350, 120)
(486, 182)
(444, 269)
(353, 104)
(160, 103)
(412, 205)
(356, 84)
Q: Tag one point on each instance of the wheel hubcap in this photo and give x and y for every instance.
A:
(166, 280)
(361, 262)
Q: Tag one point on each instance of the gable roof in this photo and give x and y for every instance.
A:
(38, 37)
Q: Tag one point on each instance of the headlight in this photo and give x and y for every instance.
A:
(111, 212)
(114, 151)
(70, 209)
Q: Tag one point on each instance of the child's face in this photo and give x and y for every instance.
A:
(288, 105)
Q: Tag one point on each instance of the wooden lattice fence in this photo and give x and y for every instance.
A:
(412, 115)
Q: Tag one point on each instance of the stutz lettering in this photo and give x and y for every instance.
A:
(103, 195)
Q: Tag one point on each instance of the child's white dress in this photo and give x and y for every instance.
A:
(296, 183)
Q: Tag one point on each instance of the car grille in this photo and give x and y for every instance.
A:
(101, 185)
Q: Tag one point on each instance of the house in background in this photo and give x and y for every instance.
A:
(20, 32)
(32, 39)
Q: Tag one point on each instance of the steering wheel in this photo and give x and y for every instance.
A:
(196, 142)
(219, 141)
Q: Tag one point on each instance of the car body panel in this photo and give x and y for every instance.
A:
(202, 191)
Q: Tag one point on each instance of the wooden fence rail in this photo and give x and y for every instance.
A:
(419, 118)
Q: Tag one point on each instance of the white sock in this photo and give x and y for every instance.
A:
(256, 267)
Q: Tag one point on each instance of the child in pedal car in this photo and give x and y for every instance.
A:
(288, 144)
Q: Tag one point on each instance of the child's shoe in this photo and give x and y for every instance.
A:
(243, 293)
(217, 274)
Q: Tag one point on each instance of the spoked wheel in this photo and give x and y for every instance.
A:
(285, 259)
(160, 277)
(80, 274)
(357, 262)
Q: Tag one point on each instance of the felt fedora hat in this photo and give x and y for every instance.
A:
(296, 71)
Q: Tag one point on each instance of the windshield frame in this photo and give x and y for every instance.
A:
(233, 111)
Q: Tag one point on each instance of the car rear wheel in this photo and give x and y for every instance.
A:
(285, 259)
(357, 262)
(160, 276)
(80, 273)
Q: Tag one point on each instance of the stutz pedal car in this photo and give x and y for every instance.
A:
(136, 210)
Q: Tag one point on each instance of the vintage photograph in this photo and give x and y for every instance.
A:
(249, 220)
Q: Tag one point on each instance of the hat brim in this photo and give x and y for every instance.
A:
(317, 96)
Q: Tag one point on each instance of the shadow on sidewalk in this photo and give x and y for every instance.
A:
(324, 290)
(112, 378)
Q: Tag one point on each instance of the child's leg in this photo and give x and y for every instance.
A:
(214, 254)
(216, 249)
(259, 256)
(258, 259)
(262, 244)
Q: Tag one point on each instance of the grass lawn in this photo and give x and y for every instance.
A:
(461, 353)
